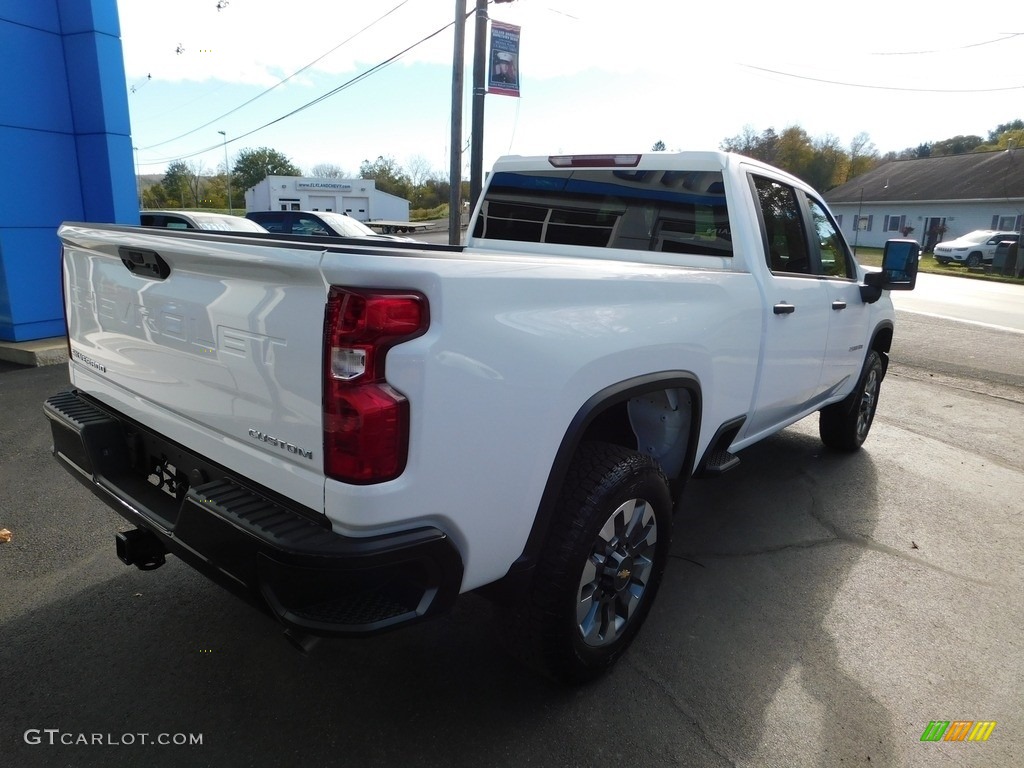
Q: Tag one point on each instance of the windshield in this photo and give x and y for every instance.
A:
(226, 223)
(346, 226)
(680, 211)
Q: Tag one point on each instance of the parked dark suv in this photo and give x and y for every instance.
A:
(315, 224)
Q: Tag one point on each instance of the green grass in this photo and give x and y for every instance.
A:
(872, 257)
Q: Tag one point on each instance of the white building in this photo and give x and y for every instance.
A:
(359, 198)
(932, 199)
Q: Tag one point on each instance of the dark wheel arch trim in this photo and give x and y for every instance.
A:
(881, 342)
(596, 405)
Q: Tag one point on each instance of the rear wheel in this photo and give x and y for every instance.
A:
(600, 568)
(845, 425)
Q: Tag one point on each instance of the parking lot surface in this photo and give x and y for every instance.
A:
(819, 610)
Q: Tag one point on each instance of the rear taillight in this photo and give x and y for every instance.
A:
(366, 420)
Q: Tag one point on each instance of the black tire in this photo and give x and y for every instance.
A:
(943, 262)
(974, 260)
(844, 425)
(600, 568)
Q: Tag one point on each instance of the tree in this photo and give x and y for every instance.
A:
(156, 196)
(996, 133)
(827, 164)
(794, 151)
(215, 193)
(659, 146)
(254, 165)
(175, 182)
(958, 145)
(388, 176)
(327, 171)
(419, 170)
(762, 147)
(863, 156)
(195, 181)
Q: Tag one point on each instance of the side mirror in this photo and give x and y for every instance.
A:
(899, 270)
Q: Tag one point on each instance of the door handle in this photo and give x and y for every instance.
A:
(838, 305)
(783, 309)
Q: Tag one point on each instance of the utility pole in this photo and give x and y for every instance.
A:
(476, 157)
(227, 169)
(455, 150)
(138, 178)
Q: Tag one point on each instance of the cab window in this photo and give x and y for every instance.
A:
(784, 235)
(835, 257)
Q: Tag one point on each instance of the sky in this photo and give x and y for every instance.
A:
(305, 77)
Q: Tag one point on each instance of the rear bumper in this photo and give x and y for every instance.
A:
(283, 559)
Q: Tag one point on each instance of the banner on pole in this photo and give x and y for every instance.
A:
(503, 74)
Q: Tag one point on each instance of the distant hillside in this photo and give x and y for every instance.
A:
(148, 180)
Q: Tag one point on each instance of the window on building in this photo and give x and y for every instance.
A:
(1005, 223)
(894, 223)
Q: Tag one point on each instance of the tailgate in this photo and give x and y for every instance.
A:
(213, 341)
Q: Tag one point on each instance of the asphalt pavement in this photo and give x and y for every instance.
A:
(819, 610)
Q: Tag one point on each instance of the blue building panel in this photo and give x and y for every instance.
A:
(67, 149)
(33, 64)
(96, 81)
(41, 14)
(78, 16)
(105, 161)
(39, 180)
(30, 290)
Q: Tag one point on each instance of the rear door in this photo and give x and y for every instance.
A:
(796, 311)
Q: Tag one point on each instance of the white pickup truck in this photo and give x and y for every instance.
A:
(350, 434)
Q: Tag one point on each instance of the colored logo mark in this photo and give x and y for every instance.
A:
(958, 730)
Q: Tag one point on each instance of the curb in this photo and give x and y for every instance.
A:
(35, 353)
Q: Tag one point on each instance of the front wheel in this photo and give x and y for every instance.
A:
(600, 569)
(974, 260)
(845, 425)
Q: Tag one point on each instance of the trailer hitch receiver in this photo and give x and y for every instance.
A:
(140, 548)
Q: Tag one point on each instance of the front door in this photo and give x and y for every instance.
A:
(848, 315)
(934, 227)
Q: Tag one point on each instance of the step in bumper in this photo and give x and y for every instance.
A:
(282, 558)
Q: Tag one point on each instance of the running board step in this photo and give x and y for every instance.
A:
(720, 462)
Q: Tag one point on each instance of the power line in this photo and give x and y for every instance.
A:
(1006, 36)
(280, 82)
(883, 87)
(358, 78)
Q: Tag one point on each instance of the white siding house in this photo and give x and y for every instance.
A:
(932, 199)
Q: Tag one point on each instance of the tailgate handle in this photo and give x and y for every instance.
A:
(143, 262)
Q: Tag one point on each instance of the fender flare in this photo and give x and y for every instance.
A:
(597, 404)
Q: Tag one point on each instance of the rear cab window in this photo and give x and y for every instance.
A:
(677, 211)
